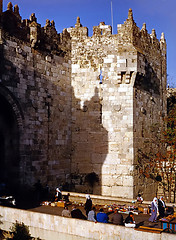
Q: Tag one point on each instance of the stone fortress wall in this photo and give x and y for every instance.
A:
(84, 104)
(38, 77)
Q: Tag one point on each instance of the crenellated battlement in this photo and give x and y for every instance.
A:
(31, 32)
(102, 29)
(131, 52)
(47, 37)
(127, 33)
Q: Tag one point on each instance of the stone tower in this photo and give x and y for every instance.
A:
(120, 81)
(73, 105)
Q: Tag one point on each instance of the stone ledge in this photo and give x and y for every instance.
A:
(98, 199)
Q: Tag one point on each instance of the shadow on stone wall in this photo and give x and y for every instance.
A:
(86, 150)
(89, 143)
(44, 155)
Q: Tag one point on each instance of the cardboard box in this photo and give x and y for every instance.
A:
(140, 208)
(60, 204)
(143, 209)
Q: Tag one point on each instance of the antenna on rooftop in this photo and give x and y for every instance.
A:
(112, 16)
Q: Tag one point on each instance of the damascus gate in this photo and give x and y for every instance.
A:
(76, 110)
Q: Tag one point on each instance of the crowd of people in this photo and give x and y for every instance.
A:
(101, 216)
(159, 209)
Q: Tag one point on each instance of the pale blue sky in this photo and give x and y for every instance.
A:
(157, 14)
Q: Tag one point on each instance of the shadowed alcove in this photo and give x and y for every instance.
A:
(9, 144)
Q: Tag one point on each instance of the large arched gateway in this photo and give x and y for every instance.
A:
(10, 127)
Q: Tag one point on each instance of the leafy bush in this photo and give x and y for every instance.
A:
(20, 231)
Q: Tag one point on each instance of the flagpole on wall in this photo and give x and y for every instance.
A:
(112, 17)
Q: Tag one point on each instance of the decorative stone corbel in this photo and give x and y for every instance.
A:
(34, 34)
(127, 77)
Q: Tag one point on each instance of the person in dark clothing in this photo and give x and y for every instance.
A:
(76, 213)
(161, 207)
(66, 197)
(130, 218)
(58, 195)
(169, 211)
(117, 218)
(88, 204)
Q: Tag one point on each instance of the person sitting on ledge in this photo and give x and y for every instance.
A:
(129, 221)
(117, 218)
(76, 213)
(92, 215)
(66, 212)
(102, 217)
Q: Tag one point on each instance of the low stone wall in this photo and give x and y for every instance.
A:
(50, 227)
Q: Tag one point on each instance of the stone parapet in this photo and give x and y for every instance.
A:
(53, 227)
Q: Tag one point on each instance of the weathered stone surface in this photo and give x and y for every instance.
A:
(82, 104)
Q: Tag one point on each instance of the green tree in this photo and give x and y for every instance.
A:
(161, 167)
(166, 163)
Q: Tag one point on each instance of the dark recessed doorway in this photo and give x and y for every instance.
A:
(9, 145)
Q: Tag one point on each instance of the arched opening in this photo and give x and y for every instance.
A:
(9, 144)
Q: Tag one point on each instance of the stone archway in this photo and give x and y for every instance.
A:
(10, 127)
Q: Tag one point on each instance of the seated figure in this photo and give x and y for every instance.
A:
(117, 218)
(92, 215)
(76, 213)
(129, 221)
(66, 212)
(102, 217)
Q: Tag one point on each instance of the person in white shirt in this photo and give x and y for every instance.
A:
(66, 212)
(92, 215)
